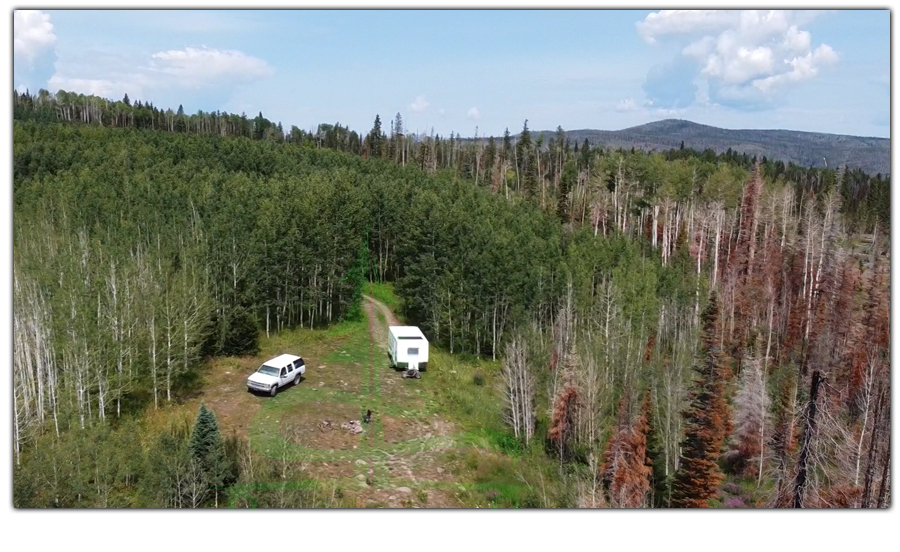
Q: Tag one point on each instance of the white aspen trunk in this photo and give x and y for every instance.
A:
(153, 361)
(715, 271)
(664, 246)
(653, 228)
(494, 333)
(699, 258)
(169, 359)
(809, 275)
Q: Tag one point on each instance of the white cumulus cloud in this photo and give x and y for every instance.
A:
(203, 66)
(473, 113)
(802, 68)
(747, 58)
(419, 105)
(667, 22)
(32, 34)
(112, 75)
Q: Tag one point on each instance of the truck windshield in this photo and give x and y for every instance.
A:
(268, 370)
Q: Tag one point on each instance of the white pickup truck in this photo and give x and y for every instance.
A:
(276, 373)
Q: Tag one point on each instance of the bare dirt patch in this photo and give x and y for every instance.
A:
(335, 469)
(406, 498)
(336, 375)
(405, 429)
(318, 425)
(226, 393)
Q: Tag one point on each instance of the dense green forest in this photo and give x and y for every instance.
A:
(664, 321)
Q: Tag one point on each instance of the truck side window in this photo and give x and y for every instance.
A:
(283, 371)
(290, 368)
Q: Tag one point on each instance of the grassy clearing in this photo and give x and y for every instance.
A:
(309, 343)
(354, 349)
(491, 468)
(443, 436)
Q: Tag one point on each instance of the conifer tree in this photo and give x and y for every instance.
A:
(375, 138)
(566, 183)
(507, 146)
(627, 470)
(706, 421)
(208, 450)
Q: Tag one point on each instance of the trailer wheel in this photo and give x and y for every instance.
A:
(418, 375)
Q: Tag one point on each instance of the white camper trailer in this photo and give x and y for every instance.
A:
(407, 349)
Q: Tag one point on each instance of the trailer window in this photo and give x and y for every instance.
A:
(413, 352)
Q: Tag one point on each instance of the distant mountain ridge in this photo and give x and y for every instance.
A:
(872, 155)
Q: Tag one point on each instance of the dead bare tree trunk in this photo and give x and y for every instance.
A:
(800, 483)
(517, 386)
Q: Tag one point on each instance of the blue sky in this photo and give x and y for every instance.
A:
(458, 70)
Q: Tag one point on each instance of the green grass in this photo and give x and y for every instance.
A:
(355, 349)
(348, 327)
(311, 343)
(493, 470)
(384, 292)
(450, 380)
(503, 473)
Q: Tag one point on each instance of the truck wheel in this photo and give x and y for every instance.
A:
(274, 390)
(297, 380)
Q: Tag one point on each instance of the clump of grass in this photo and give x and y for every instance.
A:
(478, 379)
(355, 349)
(449, 382)
(348, 327)
(384, 292)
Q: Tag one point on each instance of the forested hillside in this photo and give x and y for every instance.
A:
(807, 149)
(678, 329)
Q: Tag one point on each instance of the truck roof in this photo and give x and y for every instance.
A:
(281, 360)
(407, 331)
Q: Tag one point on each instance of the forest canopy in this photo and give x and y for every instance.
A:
(666, 299)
